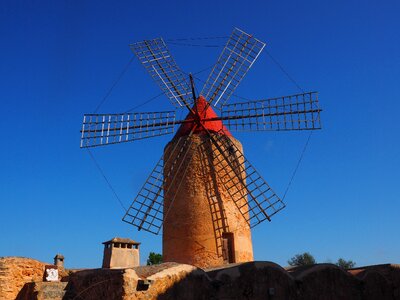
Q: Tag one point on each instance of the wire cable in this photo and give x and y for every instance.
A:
(195, 45)
(203, 70)
(198, 38)
(297, 165)
(311, 132)
(178, 42)
(114, 84)
(145, 102)
(284, 71)
(106, 179)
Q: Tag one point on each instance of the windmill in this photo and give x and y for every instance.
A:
(203, 193)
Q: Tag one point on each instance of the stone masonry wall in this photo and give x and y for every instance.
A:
(197, 207)
(253, 280)
(15, 272)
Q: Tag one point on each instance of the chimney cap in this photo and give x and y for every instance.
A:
(121, 240)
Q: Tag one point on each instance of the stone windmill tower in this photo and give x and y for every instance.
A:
(203, 192)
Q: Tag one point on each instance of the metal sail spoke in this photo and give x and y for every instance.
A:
(239, 54)
(148, 212)
(295, 112)
(156, 58)
(104, 129)
(252, 195)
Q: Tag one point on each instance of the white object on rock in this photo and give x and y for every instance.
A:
(51, 274)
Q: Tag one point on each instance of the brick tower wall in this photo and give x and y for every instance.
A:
(198, 208)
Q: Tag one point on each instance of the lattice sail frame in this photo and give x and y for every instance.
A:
(239, 54)
(147, 210)
(103, 129)
(252, 195)
(156, 58)
(294, 112)
(255, 200)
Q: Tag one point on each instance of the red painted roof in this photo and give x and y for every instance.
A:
(203, 113)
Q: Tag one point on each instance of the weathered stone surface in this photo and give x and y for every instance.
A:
(96, 284)
(124, 283)
(327, 281)
(199, 209)
(382, 280)
(43, 291)
(15, 272)
(177, 282)
(376, 286)
(252, 280)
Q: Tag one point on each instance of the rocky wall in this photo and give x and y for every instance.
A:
(15, 272)
(252, 280)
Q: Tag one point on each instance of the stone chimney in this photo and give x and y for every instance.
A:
(121, 253)
(59, 261)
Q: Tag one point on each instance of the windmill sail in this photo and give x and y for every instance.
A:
(252, 195)
(295, 112)
(239, 54)
(203, 171)
(156, 58)
(104, 129)
(147, 211)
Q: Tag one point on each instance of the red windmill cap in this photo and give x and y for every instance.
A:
(208, 118)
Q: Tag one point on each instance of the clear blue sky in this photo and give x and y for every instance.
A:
(59, 58)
